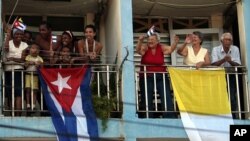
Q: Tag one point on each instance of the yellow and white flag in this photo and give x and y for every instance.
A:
(203, 103)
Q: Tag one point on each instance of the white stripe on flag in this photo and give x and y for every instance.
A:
(58, 106)
(82, 129)
(207, 127)
(191, 129)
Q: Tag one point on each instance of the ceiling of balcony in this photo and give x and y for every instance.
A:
(180, 8)
(51, 7)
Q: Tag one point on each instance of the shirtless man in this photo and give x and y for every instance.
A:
(47, 41)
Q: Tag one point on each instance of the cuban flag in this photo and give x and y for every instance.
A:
(151, 31)
(18, 23)
(68, 97)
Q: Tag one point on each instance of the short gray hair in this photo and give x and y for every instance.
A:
(157, 35)
(226, 34)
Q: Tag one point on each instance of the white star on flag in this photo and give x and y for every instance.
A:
(61, 83)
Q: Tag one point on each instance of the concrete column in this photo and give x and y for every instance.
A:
(128, 93)
(90, 17)
(217, 20)
(243, 10)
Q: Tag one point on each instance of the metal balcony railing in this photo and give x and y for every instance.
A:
(104, 84)
(236, 82)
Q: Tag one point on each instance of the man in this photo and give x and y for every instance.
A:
(47, 41)
(227, 55)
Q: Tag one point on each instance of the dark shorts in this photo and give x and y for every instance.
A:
(17, 83)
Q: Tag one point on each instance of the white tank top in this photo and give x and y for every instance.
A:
(87, 46)
(192, 59)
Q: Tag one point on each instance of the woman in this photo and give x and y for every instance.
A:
(14, 56)
(153, 54)
(194, 55)
(68, 40)
(89, 46)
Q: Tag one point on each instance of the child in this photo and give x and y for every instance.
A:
(64, 58)
(32, 62)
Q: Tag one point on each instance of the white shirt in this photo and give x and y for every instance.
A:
(15, 52)
(192, 59)
(218, 53)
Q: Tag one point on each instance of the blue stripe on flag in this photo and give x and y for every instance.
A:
(87, 106)
(56, 117)
(70, 123)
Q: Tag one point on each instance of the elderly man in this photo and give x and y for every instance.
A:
(227, 55)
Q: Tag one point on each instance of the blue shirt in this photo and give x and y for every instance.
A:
(218, 53)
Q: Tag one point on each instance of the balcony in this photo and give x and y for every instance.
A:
(234, 75)
(104, 85)
(107, 83)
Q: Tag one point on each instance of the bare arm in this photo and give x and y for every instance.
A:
(169, 49)
(99, 49)
(8, 38)
(219, 62)
(206, 62)
(95, 54)
(183, 51)
(140, 47)
(18, 60)
(81, 47)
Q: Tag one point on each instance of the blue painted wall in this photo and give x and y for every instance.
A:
(246, 12)
(129, 127)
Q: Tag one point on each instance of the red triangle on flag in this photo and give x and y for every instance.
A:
(64, 84)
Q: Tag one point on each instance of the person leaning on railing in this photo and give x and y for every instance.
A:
(153, 54)
(47, 41)
(192, 51)
(228, 55)
(89, 46)
(14, 49)
(67, 54)
(63, 59)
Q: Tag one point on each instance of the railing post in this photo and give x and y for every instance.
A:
(12, 93)
(117, 88)
(22, 88)
(164, 91)
(155, 93)
(108, 82)
(237, 91)
(146, 91)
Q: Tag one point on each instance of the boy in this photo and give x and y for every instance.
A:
(32, 62)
